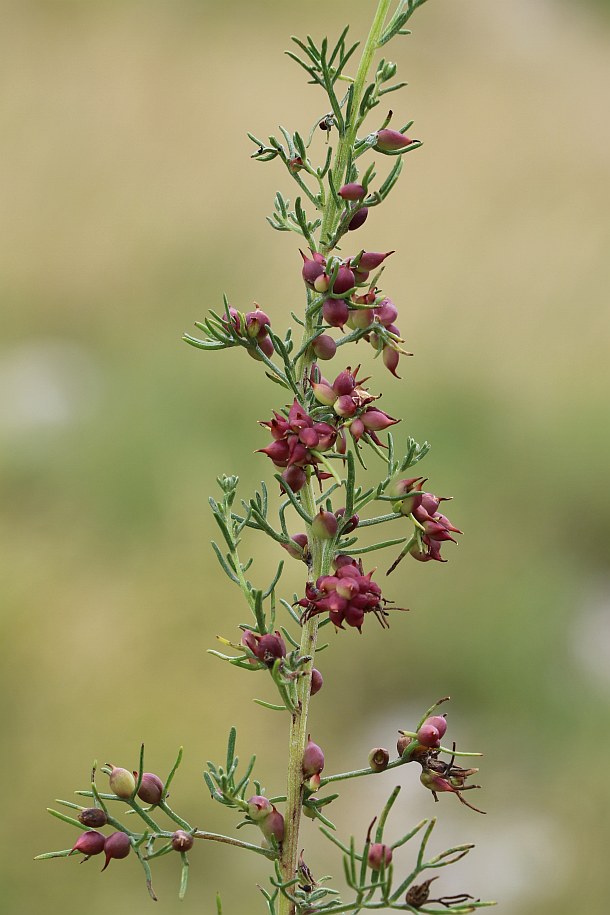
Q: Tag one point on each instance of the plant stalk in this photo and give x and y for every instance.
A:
(320, 558)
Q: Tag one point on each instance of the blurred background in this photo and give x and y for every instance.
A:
(129, 205)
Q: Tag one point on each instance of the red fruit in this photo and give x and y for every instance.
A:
(313, 759)
(324, 346)
(370, 260)
(352, 191)
(343, 281)
(117, 845)
(151, 788)
(317, 681)
(335, 312)
(388, 140)
(358, 219)
(89, 843)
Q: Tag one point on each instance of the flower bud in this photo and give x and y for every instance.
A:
(428, 736)
(312, 270)
(258, 808)
(335, 312)
(151, 788)
(439, 722)
(117, 845)
(324, 346)
(376, 420)
(313, 759)
(379, 759)
(93, 817)
(358, 219)
(324, 525)
(370, 260)
(89, 843)
(272, 826)
(182, 841)
(122, 782)
(317, 681)
(388, 140)
(402, 743)
(352, 191)
(390, 357)
(380, 855)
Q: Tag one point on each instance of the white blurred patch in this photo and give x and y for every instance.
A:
(45, 384)
(590, 636)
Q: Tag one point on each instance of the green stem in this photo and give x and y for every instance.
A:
(321, 559)
(346, 143)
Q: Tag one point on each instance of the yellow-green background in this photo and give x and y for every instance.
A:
(129, 203)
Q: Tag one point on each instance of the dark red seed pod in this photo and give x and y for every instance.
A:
(352, 191)
(312, 269)
(386, 312)
(324, 346)
(272, 826)
(388, 140)
(344, 383)
(335, 312)
(358, 219)
(439, 722)
(313, 759)
(151, 788)
(93, 817)
(89, 843)
(317, 681)
(370, 260)
(117, 845)
(295, 477)
(182, 841)
(344, 280)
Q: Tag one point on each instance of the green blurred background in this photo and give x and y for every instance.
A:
(129, 205)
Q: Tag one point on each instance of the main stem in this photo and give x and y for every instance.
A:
(321, 558)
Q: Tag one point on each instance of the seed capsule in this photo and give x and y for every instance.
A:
(313, 759)
(317, 681)
(379, 759)
(93, 817)
(151, 788)
(182, 841)
(89, 843)
(122, 782)
(117, 845)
